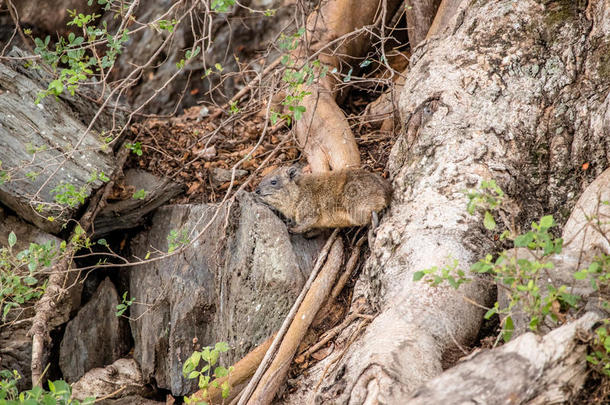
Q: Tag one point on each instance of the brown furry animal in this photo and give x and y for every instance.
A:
(342, 198)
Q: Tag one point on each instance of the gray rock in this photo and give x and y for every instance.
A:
(130, 213)
(95, 337)
(104, 381)
(41, 148)
(233, 284)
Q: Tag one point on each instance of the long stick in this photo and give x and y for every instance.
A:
(280, 334)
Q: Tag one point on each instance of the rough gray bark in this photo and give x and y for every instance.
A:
(36, 141)
(527, 370)
(130, 213)
(96, 336)
(518, 92)
(233, 285)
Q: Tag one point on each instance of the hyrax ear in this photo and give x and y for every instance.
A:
(292, 172)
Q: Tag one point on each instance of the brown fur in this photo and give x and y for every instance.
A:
(334, 199)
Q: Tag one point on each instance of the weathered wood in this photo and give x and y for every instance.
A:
(420, 14)
(117, 380)
(130, 213)
(530, 369)
(15, 345)
(275, 375)
(43, 146)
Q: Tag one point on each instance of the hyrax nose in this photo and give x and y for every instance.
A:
(258, 190)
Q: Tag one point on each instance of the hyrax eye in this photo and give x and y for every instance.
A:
(273, 182)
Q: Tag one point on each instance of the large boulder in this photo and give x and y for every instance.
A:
(234, 283)
(96, 336)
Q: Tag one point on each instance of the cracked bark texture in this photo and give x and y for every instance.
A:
(518, 92)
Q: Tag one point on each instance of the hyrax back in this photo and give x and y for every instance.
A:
(341, 198)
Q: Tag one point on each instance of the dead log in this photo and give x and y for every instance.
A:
(60, 277)
(45, 146)
(420, 14)
(531, 369)
(129, 212)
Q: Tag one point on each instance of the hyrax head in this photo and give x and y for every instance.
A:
(274, 185)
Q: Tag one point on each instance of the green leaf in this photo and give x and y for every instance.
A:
(220, 372)
(12, 239)
(508, 329)
(29, 280)
(491, 312)
(489, 221)
(524, 240)
(547, 221)
(222, 347)
(418, 275)
(580, 275)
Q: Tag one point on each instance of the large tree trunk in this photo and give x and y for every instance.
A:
(517, 92)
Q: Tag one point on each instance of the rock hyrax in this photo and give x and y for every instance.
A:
(341, 198)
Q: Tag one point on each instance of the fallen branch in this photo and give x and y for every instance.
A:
(284, 328)
(59, 278)
(275, 376)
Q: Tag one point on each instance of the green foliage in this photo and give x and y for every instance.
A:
(450, 274)
(19, 273)
(222, 6)
(187, 56)
(5, 177)
(59, 392)
(177, 239)
(140, 194)
(167, 25)
(135, 148)
(487, 198)
(599, 357)
(122, 307)
(74, 58)
(598, 274)
(296, 79)
(67, 194)
(208, 371)
(233, 107)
